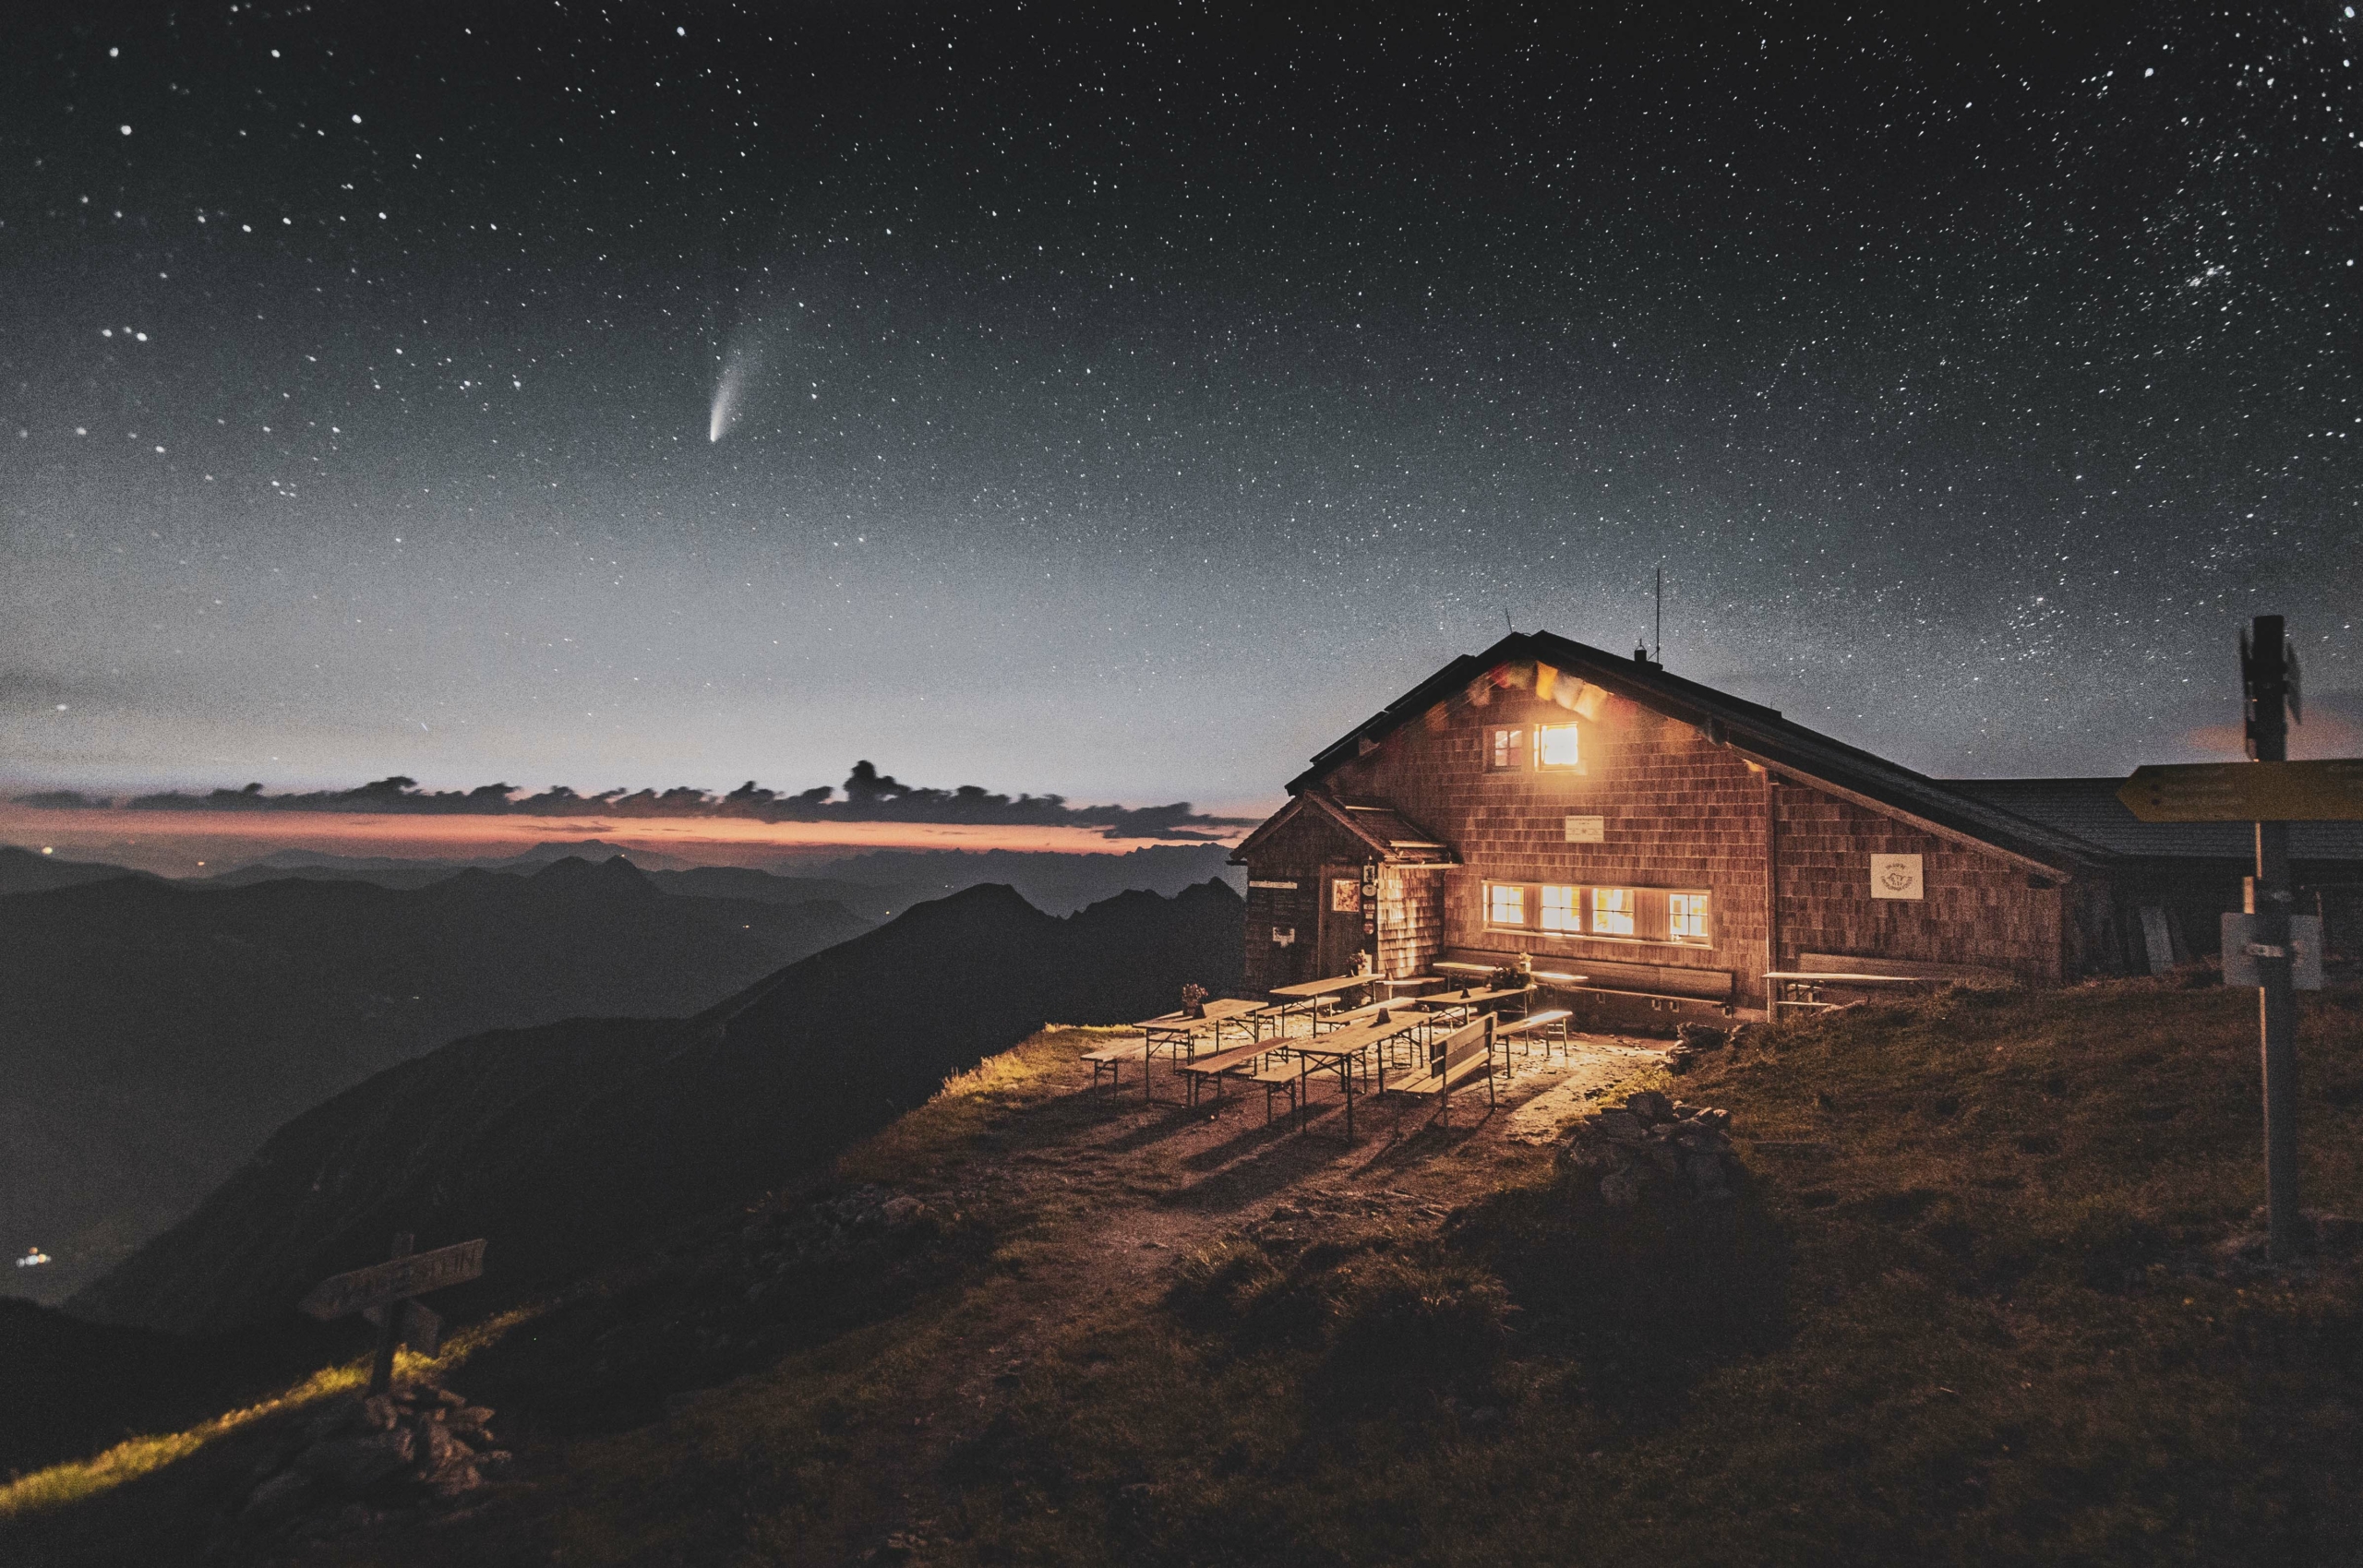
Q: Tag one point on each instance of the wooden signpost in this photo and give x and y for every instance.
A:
(2271, 792)
(384, 1293)
(2247, 792)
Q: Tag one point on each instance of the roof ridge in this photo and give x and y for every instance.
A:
(1763, 734)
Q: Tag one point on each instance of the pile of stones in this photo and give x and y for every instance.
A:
(1693, 1041)
(361, 1461)
(1653, 1141)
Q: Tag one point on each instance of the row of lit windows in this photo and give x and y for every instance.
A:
(1647, 915)
(1554, 747)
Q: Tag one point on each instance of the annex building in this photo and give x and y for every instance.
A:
(1642, 841)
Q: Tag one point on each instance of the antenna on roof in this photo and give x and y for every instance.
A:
(1507, 622)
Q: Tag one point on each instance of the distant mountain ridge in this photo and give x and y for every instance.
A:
(22, 871)
(152, 1034)
(580, 1141)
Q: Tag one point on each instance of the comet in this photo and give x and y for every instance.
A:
(731, 392)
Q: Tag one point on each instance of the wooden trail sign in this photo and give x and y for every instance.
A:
(383, 1293)
(2247, 792)
(415, 1275)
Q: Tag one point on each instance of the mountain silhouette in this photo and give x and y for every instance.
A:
(151, 1034)
(581, 1141)
(870, 899)
(22, 870)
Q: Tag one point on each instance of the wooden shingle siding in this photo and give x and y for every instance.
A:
(1978, 909)
(1679, 812)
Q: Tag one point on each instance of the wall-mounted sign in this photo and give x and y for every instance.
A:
(1345, 896)
(1283, 936)
(1275, 886)
(1587, 830)
(2304, 951)
(1895, 876)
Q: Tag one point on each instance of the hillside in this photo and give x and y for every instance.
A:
(24, 870)
(1056, 881)
(580, 1140)
(1985, 1296)
(151, 1034)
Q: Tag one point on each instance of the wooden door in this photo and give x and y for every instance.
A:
(1340, 893)
(1290, 937)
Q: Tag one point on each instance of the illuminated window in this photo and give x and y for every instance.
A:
(1554, 746)
(1560, 911)
(1504, 905)
(1612, 911)
(1509, 750)
(1686, 917)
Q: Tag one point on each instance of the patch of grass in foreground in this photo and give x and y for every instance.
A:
(1966, 1317)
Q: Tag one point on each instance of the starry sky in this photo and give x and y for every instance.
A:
(1124, 401)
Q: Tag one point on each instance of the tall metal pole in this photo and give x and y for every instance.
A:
(2265, 671)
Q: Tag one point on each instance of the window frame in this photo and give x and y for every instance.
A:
(1515, 740)
(1574, 733)
(1650, 911)
(1704, 936)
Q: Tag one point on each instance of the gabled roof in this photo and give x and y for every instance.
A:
(1755, 731)
(2090, 809)
(1387, 833)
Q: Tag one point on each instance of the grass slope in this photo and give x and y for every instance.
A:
(1973, 1306)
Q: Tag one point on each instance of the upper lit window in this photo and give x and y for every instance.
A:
(1686, 917)
(1504, 905)
(1611, 911)
(1560, 912)
(1509, 750)
(1554, 746)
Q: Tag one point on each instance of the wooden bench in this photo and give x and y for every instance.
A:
(1672, 986)
(1222, 1065)
(1549, 1026)
(1276, 1078)
(1110, 1061)
(1465, 1054)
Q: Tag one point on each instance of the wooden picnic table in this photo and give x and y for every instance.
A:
(1467, 1003)
(1367, 1013)
(1311, 995)
(1339, 1049)
(1177, 1033)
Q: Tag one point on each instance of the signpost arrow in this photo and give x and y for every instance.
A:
(2247, 792)
(382, 1293)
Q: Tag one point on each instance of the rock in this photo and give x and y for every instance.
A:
(1621, 1188)
(356, 1464)
(1701, 1036)
(439, 1449)
(902, 1209)
(1620, 1126)
(1649, 1105)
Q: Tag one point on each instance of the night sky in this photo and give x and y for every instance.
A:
(1124, 404)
